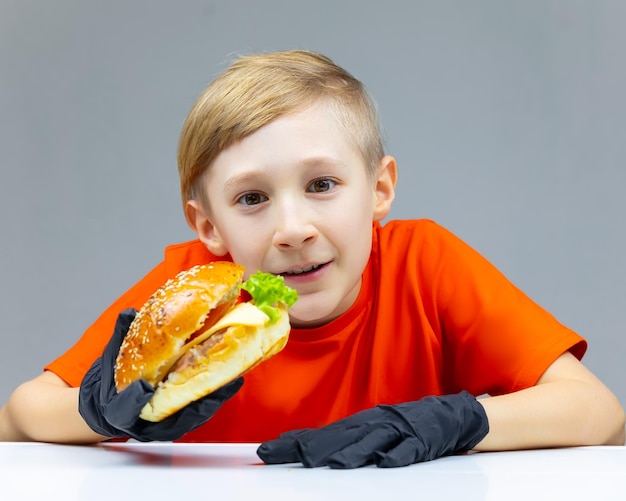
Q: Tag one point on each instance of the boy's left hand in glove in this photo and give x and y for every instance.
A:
(116, 415)
(386, 435)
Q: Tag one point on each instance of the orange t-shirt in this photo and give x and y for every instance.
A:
(432, 317)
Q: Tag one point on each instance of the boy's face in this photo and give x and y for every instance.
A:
(294, 199)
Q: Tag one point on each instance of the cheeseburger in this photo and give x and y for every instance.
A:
(195, 334)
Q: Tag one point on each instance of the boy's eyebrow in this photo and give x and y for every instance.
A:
(239, 179)
(321, 162)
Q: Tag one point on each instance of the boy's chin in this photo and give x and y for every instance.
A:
(309, 319)
(320, 308)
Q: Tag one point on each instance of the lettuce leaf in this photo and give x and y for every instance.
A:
(267, 290)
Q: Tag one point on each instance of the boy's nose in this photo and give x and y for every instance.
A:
(293, 230)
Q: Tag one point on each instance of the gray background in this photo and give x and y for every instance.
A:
(508, 120)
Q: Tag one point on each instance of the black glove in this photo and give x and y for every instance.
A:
(386, 435)
(116, 415)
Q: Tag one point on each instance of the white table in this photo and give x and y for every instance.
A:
(198, 472)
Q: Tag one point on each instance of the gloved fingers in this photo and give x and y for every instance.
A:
(408, 451)
(279, 451)
(227, 391)
(363, 451)
(109, 355)
(192, 416)
(315, 448)
(178, 424)
(283, 449)
(189, 417)
(122, 324)
(309, 446)
(122, 410)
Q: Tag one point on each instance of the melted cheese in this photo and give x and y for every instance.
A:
(241, 314)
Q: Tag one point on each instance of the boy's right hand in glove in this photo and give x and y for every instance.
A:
(116, 415)
(386, 435)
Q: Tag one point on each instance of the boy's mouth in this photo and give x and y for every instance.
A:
(302, 271)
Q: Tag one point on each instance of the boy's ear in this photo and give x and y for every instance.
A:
(204, 228)
(385, 187)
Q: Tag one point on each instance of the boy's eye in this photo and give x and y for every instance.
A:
(321, 185)
(251, 199)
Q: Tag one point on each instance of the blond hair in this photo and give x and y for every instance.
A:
(257, 89)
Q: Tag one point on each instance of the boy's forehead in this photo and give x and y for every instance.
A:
(312, 136)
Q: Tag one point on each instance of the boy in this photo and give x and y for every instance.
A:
(397, 327)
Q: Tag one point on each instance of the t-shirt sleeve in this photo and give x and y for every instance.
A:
(495, 338)
(75, 362)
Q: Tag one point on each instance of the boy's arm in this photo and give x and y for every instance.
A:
(569, 406)
(45, 409)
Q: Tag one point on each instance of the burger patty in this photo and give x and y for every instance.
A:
(196, 354)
